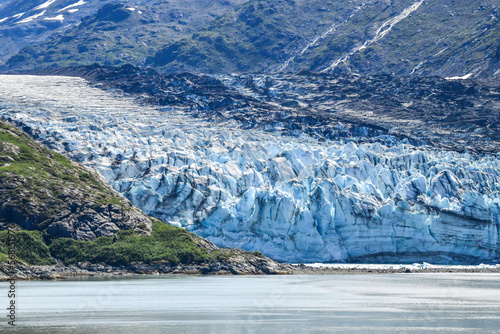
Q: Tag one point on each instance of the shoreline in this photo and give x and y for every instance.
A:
(60, 272)
(356, 269)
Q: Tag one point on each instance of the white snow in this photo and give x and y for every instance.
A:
(132, 9)
(31, 18)
(45, 5)
(465, 77)
(4, 19)
(381, 32)
(294, 199)
(74, 10)
(56, 18)
(317, 39)
(17, 16)
(79, 3)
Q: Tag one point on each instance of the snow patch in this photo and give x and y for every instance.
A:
(417, 67)
(56, 18)
(74, 10)
(45, 5)
(465, 77)
(31, 18)
(132, 9)
(4, 19)
(79, 3)
(17, 16)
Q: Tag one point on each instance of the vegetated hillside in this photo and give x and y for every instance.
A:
(257, 37)
(445, 38)
(63, 212)
(117, 33)
(23, 23)
(45, 191)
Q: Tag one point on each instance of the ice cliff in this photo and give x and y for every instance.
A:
(294, 199)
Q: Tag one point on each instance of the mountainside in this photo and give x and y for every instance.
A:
(26, 22)
(450, 38)
(114, 33)
(445, 38)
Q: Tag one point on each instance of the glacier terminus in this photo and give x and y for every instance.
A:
(294, 198)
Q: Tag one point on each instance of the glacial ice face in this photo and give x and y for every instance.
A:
(294, 199)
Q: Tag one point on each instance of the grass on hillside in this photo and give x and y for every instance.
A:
(46, 172)
(167, 244)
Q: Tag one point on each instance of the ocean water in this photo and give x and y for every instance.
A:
(397, 303)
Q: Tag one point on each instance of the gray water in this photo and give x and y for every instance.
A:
(409, 303)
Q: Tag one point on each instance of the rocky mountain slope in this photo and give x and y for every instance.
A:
(444, 38)
(365, 197)
(45, 191)
(26, 22)
(108, 33)
(64, 213)
(451, 38)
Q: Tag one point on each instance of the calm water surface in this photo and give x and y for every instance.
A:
(409, 303)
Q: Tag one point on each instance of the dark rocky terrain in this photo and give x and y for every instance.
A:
(235, 262)
(460, 115)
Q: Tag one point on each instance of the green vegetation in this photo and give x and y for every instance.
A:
(38, 182)
(167, 244)
(36, 185)
(37, 163)
(30, 247)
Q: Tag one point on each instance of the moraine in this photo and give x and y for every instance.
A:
(293, 198)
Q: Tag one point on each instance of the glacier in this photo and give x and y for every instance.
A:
(295, 199)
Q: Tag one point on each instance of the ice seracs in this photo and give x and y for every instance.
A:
(295, 199)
